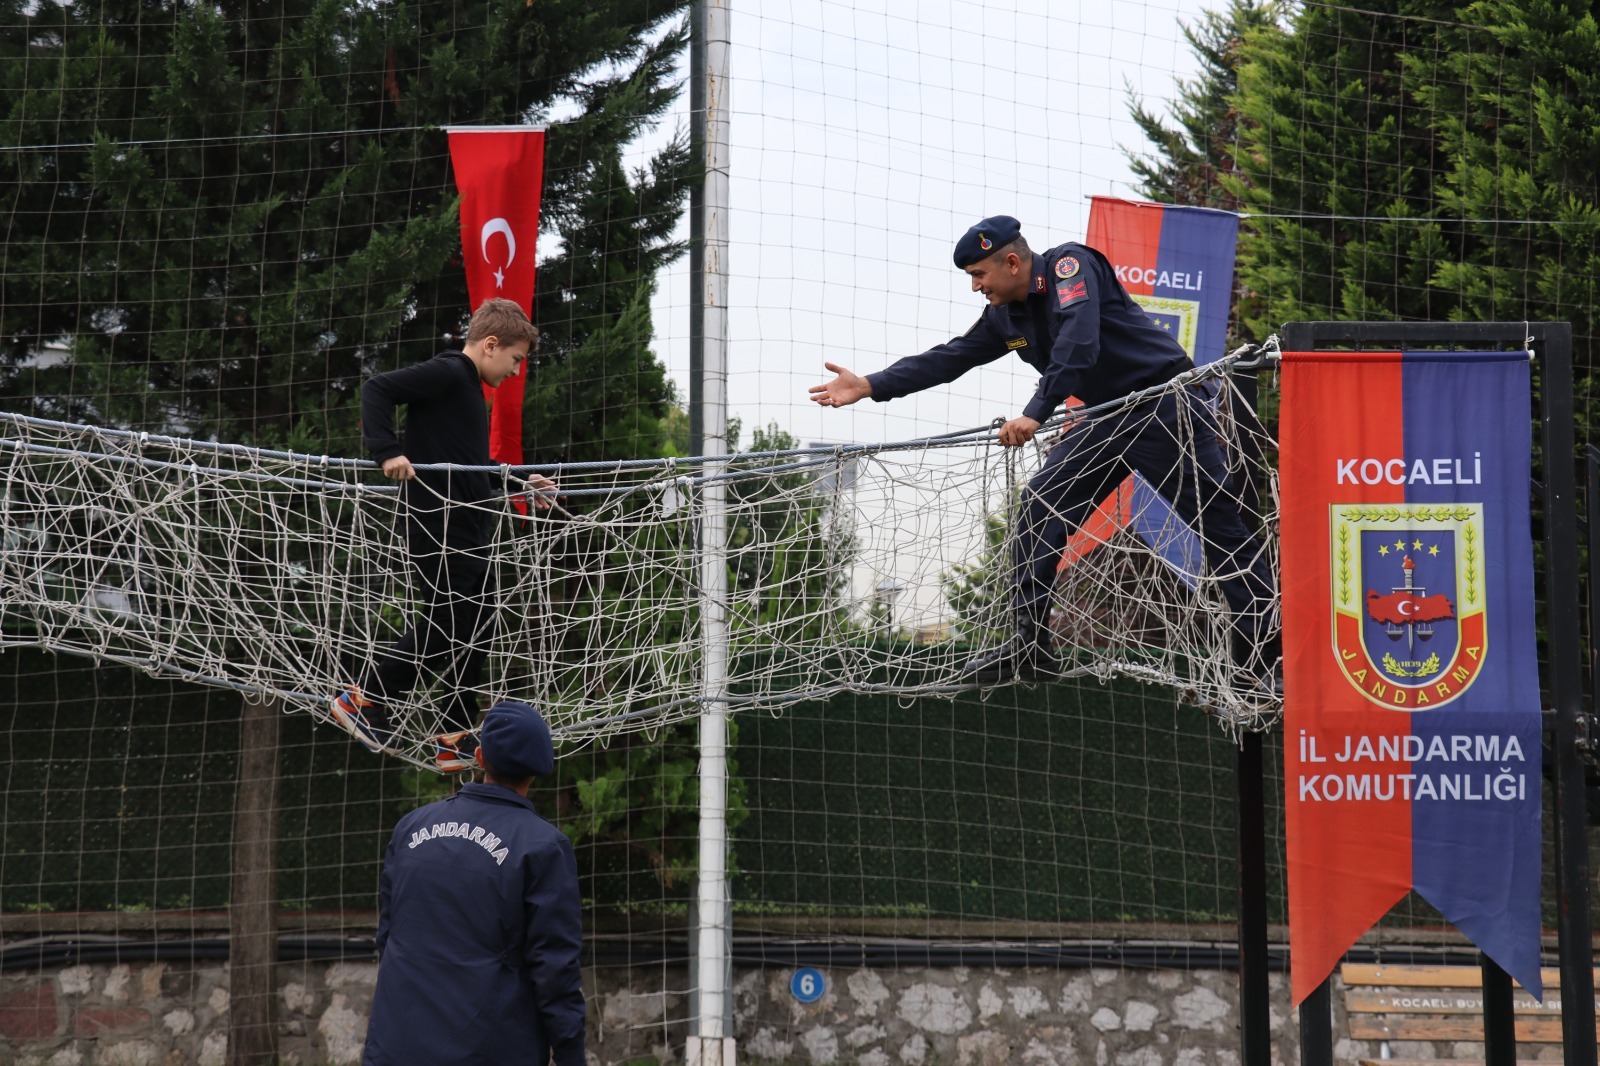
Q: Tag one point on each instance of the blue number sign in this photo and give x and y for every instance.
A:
(807, 985)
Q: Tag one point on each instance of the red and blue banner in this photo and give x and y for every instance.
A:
(500, 175)
(1411, 717)
(1177, 264)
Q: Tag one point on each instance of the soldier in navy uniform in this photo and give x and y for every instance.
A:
(479, 927)
(1065, 313)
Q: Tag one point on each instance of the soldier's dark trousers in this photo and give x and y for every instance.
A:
(1176, 450)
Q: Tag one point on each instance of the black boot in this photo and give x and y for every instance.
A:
(1025, 657)
(1260, 667)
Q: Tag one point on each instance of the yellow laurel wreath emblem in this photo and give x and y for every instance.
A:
(1429, 666)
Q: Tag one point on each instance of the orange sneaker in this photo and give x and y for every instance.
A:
(456, 752)
(361, 718)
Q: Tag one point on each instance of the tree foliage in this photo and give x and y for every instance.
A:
(979, 591)
(1339, 169)
(789, 556)
(1436, 163)
(235, 212)
(789, 550)
(1517, 121)
(1192, 154)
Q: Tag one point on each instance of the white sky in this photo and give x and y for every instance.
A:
(866, 136)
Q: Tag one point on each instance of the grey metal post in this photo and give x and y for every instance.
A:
(713, 1044)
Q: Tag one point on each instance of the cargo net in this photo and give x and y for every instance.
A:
(867, 568)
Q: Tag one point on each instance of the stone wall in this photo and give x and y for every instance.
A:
(164, 1013)
(991, 1017)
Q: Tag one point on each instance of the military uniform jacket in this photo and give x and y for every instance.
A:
(478, 938)
(1077, 326)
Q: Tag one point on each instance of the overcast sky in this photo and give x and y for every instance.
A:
(866, 136)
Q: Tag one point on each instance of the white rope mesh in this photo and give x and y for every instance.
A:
(285, 573)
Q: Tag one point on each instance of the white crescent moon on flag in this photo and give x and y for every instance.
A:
(490, 228)
(1408, 603)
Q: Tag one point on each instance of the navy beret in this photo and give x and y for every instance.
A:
(516, 740)
(985, 239)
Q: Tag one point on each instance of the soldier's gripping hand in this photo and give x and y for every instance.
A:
(1018, 431)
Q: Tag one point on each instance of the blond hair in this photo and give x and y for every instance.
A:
(502, 319)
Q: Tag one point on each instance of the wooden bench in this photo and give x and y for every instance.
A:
(1387, 1003)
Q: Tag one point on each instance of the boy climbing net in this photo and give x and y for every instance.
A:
(448, 519)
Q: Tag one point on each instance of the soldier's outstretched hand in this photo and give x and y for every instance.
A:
(846, 388)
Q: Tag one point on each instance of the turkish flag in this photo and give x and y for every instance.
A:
(499, 173)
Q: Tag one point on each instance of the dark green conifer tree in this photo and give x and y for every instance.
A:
(1435, 163)
(1517, 117)
(234, 213)
(1191, 155)
(1341, 170)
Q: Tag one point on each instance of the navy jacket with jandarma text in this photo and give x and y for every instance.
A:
(479, 934)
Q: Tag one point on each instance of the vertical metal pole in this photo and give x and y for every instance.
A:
(1499, 1015)
(713, 1046)
(1316, 1026)
(1592, 483)
(697, 228)
(1255, 1011)
(1255, 1021)
(1563, 620)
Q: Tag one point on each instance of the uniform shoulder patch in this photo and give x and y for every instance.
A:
(1016, 342)
(1066, 267)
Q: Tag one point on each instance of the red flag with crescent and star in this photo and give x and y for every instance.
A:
(500, 173)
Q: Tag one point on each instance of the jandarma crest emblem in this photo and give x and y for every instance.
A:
(1409, 627)
(984, 242)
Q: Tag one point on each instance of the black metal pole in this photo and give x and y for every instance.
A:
(1592, 481)
(1255, 1022)
(1499, 1016)
(1562, 621)
(1316, 1026)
